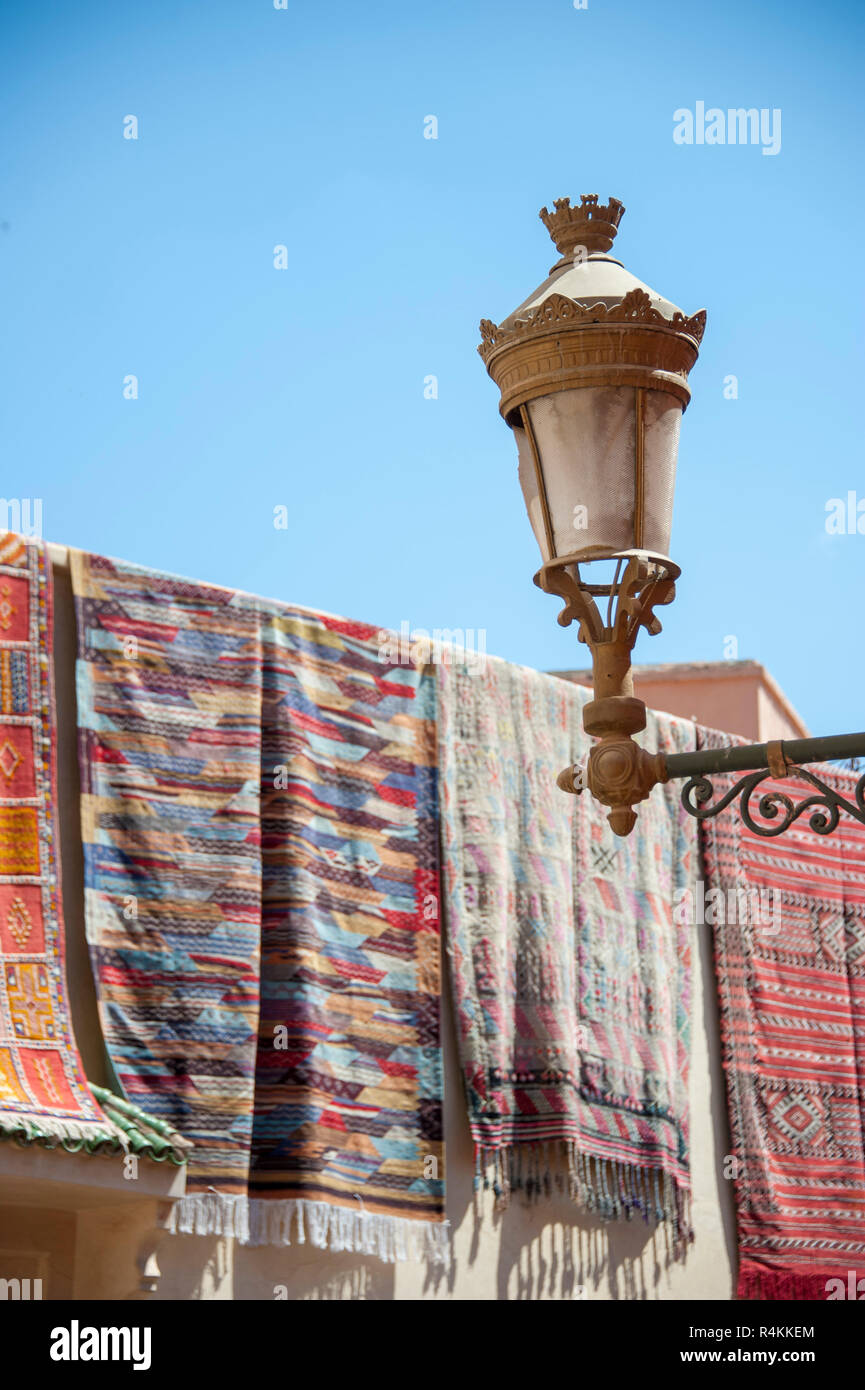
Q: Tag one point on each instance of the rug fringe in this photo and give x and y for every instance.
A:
(259, 1221)
(30, 1129)
(612, 1188)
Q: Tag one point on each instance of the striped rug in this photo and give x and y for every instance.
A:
(789, 922)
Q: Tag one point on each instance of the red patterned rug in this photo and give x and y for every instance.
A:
(791, 981)
(43, 1093)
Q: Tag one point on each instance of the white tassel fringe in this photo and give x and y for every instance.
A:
(257, 1221)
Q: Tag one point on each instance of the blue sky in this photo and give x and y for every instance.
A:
(304, 387)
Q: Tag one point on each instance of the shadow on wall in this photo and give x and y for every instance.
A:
(562, 1260)
(553, 1250)
(304, 1273)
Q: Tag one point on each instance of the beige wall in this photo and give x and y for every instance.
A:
(39, 1244)
(545, 1251)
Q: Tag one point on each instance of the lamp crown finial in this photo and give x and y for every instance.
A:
(591, 225)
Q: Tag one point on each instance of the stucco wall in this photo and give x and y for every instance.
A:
(548, 1250)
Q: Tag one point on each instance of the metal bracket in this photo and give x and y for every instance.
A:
(775, 760)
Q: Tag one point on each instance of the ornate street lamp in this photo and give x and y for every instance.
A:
(593, 373)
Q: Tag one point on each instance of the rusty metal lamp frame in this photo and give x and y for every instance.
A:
(564, 343)
(619, 772)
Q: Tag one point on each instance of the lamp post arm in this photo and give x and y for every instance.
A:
(751, 756)
(777, 760)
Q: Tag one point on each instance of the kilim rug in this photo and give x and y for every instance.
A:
(259, 794)
(571, 977)
(347, 1138)
(169, 697)
(43, 1091)
(791, 983)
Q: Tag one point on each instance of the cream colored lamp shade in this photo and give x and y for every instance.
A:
(597, 467)
(593, 373)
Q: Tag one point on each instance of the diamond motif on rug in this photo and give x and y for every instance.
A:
(7, 608)
(19, 922)
(10, 760)
(798, 1117)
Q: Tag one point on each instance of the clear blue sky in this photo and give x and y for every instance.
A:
(260, 387)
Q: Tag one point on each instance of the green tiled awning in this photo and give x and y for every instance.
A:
(126, 1129)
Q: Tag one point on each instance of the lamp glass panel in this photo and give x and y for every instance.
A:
(662, 416)
(586, 442)
(529, 485)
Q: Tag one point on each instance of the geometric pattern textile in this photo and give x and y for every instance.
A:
(169, 693)
(347, 1135)
(791, 983)
(571, 974)
(259, 818)
(43, 1092)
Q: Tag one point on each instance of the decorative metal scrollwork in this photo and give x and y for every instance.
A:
(825, 807)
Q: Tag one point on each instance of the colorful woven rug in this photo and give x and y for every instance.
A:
(572, 980)
(43, 1092)
(169, 696)
(791, 983)
(347, 1140)
(259, 795)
